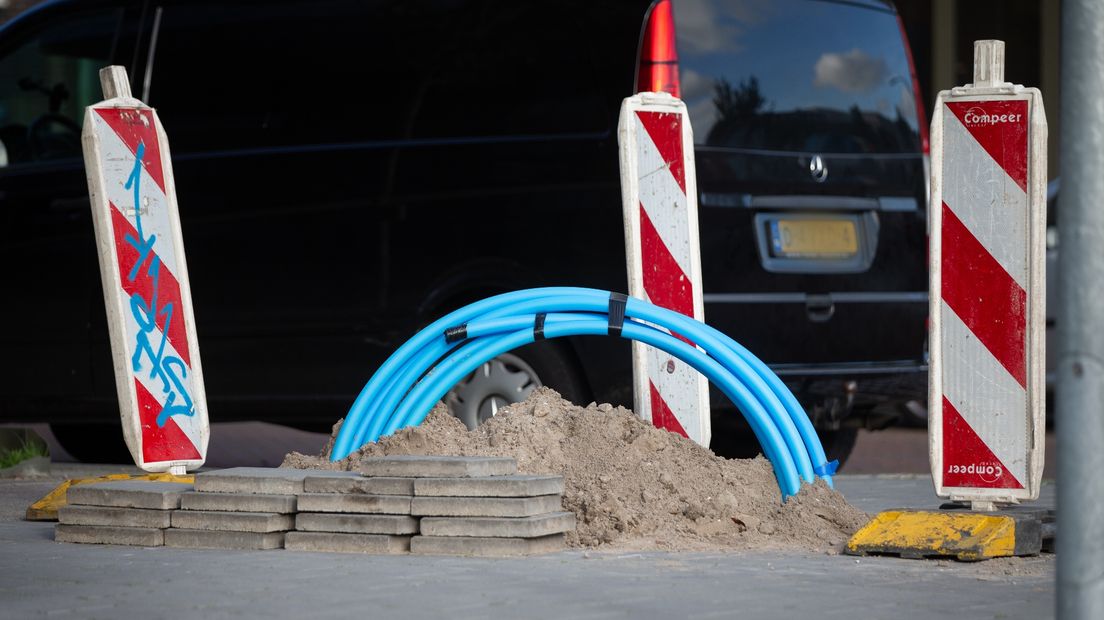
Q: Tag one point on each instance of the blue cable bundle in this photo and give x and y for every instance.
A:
(424, 369)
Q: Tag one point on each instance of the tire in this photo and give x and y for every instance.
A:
(913, 415)
(512, 377)
(93, 443)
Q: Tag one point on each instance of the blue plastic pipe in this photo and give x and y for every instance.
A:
(422, 371)
(720, 344)
(364, 405)
(591, 300)
(596, 295)
(441, 379)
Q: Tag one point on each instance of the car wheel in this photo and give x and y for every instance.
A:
(914, 415)
(93, 443)
(511, 378)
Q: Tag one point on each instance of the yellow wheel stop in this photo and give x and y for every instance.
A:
(962, 535)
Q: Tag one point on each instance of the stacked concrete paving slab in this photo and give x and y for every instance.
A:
(432, 505)
(239, 508)
(354, 514)
(123, 512)
(427, 505)
(490, 515)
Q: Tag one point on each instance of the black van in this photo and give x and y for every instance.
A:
(347, 171)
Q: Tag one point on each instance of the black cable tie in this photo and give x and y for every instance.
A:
(456, 334)
(538, 326)
(617, 313)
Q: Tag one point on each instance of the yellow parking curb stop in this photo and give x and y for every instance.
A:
(968, 536)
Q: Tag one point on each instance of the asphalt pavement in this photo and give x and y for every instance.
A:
(41, 578)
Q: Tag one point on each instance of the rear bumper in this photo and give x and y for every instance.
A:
(835, 333)
(869, 394)
(870, 383)
(851, 368)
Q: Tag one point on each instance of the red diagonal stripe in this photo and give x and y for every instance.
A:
(166, 443)
(662, 416)
(168, 289)
(988, 300)
(133, 127)
(664, 280)
(1005, 140)
(967, 461)
(665, 130)
(666, 284)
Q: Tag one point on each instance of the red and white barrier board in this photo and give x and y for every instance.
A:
(659, 194)
(149, 307)
(987, 270)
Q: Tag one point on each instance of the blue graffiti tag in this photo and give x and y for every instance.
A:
(168, 368)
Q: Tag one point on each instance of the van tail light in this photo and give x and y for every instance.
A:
(921, 115)
(658, 66)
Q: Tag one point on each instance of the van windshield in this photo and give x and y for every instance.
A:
(795, 75)
(47, 79)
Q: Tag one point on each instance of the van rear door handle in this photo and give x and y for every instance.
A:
(819, 308)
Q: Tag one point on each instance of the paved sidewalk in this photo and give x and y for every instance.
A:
(40, 578)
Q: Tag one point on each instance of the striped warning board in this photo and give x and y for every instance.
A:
(146, 291)
(988, 220)
(659, 194)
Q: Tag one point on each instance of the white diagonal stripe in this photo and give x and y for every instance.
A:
(188, 424)
(981, 194)
(118, 162)
(986, 395)
(663, 199)
(686, 391)
(679, 389)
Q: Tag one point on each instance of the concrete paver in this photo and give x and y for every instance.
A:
(262, 480)
(485, 506)
(129, 494)
(356, 524)
(438, 466)
(116, 517)
(355, 503)
(219, 539)
(109, 535)
(494, 486)
(335, 542)
(359, 484)
(232, 521)
(485, 546)
(523, 527)
(239, 502)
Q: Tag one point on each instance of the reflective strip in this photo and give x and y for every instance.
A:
(155, 386)
(985, 394)
(984, 296)
(991, 205)
(659, 192)
(155, 214)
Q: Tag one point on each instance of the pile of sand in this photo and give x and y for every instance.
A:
(630, 485)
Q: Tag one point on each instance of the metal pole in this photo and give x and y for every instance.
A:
(1080, 398)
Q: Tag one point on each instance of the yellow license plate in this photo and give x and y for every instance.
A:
(814, 238)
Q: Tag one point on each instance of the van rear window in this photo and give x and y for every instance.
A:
(796, 75)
